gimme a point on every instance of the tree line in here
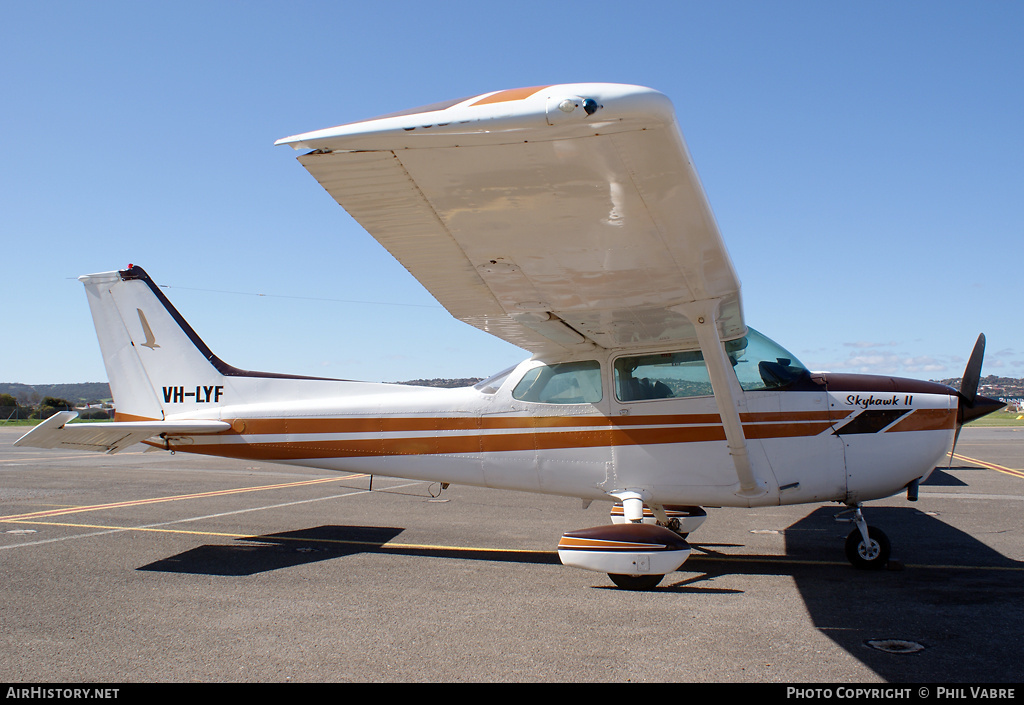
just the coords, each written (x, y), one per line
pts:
(11, 408)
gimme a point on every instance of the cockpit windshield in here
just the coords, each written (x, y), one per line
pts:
(761, 363)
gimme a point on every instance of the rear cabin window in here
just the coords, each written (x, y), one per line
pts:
(565, 383)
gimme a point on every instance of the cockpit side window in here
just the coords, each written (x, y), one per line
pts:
(760, 364)
(564, 383)
(662, 376)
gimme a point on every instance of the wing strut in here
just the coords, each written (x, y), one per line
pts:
(704, 317)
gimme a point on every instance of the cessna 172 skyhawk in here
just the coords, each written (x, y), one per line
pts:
(567, 220)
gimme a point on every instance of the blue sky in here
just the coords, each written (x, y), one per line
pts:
(865, 162)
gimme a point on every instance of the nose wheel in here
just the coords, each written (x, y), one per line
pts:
(870, 554)
(867, 547)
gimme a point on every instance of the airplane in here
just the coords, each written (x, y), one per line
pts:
(567, 220)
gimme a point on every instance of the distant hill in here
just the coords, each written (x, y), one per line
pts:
(87, 392)
(82, 392)
(993, 386)
(442, 382)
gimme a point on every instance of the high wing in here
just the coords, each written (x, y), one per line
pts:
(554, 217)
(109, 437)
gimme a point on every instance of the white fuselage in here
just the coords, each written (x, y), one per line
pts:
(835, 438)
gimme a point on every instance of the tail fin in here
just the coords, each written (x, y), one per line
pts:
(156, 364)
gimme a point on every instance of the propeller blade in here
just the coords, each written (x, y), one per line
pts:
(970, 406)
(972, 374)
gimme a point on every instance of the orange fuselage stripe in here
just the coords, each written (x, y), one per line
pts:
(497, 434)
(405, 424)
(462, 435)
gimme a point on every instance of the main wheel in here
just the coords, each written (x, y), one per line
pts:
(872, 555)
(635, 582)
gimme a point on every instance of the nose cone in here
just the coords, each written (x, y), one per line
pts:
(981, 406)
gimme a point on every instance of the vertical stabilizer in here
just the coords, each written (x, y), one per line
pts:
(156, 364)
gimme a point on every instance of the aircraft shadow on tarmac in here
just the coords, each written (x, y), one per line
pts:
(259, 554)
(948, 609)
(957, 599)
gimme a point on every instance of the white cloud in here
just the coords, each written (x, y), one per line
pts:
(866, 344)
(867, 360)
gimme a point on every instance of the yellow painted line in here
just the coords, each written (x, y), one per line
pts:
(104, 527)
(83, 454)
(695, 559)
(276, 539)
(175, 498)
(990, 466)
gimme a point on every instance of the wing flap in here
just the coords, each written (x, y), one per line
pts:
(109, 437)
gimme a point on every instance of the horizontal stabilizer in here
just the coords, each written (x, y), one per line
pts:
(109, 437)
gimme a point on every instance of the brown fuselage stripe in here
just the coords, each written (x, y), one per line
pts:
(448, 445)
(491, 443)
(406, 424)
(926, 420)
(454, 435)
(393, 424)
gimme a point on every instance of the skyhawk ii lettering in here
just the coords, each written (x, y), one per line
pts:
(872, 400)
(567, 220)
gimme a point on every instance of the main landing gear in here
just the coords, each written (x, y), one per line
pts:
(639, 547)
(867, 547)
(635, 582)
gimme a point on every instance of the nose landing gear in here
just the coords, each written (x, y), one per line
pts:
(867, 547)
